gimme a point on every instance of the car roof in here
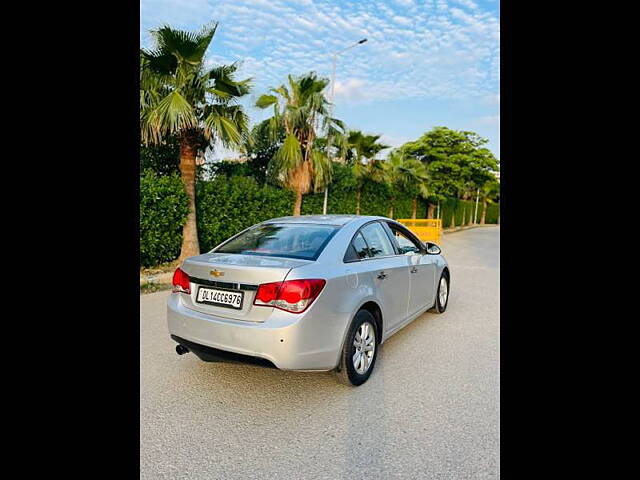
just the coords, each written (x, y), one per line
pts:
(339, 220)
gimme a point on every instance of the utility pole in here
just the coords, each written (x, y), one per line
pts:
(333, 85)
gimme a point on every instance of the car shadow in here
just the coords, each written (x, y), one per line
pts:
(359, 421)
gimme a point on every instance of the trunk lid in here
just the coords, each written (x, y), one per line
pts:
(237, 273)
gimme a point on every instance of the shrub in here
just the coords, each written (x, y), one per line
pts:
(375, 199)
(227, 205)
(164, 206)
(230, 203)
(342, 199)
(493, 212)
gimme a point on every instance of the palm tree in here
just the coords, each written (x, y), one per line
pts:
(301, 108)
(407, 174)
(180, 97)
(489, 192)
(363, 149)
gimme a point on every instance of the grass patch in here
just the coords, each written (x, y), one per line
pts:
(152, 287)
(162, 268)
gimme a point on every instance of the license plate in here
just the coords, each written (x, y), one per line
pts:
(220, 298)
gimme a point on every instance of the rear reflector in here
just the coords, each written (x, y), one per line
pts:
(181, 282)
(293, 296)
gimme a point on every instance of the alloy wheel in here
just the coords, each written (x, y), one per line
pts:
(365, 347)
(443, 292)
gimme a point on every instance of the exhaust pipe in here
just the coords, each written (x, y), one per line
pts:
(181, 349)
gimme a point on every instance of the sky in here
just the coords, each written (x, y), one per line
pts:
(426, 63)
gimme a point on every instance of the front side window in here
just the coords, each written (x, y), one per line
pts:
(406, 245)
(281, 240)
(377, 240)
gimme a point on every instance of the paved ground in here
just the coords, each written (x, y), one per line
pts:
(430, 409)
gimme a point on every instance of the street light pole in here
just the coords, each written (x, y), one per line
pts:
(333, 85)
(333, 89)
(475, 216)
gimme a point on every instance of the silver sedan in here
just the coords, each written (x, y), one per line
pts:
(310, 293)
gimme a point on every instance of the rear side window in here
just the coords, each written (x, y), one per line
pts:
(377, 240)
(357, 250)
(304, 241)
(360, 246)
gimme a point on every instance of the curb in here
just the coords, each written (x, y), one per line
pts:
(468, 227)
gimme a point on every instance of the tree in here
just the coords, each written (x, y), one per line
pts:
(180, 97)
(300, 109)
(363, 149)
(479, 169)
(260, 147)
(366, 171)
(162, 159)
(404, 174)
(456, 161)
(419, 189)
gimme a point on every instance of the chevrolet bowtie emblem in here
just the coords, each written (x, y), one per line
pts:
(217, 273)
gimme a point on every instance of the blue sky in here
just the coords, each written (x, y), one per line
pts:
(426, 62)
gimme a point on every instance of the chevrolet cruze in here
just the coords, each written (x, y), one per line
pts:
(311, 293)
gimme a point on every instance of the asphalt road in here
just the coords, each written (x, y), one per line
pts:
(430, 409)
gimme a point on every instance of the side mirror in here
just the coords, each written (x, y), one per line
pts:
(432, 248)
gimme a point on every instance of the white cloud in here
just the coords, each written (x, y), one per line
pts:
(404, 3)
(305, 23)
(402, 20)
(493, 99)
(351, 90)
(413, 51)
(490, 120)
(467, 3)
(393, 141)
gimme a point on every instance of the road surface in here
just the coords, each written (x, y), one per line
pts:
(430, 409)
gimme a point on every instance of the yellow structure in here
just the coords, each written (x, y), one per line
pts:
(426, 229)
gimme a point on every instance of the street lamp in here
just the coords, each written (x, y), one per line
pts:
(475, 216)
(333, 86)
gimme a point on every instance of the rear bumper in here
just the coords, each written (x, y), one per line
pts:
(210, 354)
(289, 341)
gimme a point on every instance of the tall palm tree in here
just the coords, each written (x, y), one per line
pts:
(406, 174)
(301, 108)
(180, 97)
(362, 150)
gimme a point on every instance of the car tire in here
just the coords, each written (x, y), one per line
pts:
(441, 303)
(347, 372)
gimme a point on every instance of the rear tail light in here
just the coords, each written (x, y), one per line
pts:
(181, 282)
(293, 296)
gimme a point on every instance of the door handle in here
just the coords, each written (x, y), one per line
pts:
(414, 269)
(382, 275)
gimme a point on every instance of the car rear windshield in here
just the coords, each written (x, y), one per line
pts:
(304, 241)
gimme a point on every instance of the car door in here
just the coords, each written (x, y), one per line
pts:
(388, 272)
(422, 269)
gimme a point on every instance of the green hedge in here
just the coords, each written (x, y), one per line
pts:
(458, 209)
(375, 198)
(230, 203)
(493, 213)
(463, 208)
(163, 211)
(227, 205)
